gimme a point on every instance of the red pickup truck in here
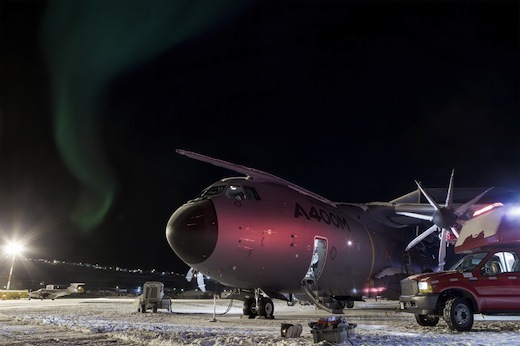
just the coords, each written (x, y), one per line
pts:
(485, 281)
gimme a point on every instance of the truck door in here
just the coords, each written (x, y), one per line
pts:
(499, 284)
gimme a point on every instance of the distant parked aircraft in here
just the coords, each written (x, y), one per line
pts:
(53, 291)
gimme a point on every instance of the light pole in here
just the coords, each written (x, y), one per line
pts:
(14, 249)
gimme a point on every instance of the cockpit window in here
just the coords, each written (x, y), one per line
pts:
(211, 191)
(237, 192)
(251, 193)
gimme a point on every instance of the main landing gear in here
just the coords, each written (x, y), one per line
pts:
(261, 305)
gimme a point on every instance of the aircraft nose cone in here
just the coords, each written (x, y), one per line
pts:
(192, 231)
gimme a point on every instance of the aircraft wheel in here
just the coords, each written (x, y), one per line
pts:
(143, 308)
(426, 320)
(266, 308)
(249, 308)
(458, 314)
(154, 308)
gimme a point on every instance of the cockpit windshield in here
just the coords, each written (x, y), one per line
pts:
(238, 192)
(469, 262)
(232, 191)
(211, 191)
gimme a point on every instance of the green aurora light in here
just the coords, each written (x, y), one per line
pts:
(86, 45)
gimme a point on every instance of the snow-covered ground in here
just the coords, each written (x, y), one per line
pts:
(117, 322)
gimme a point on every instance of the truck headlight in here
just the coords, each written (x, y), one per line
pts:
(425, 287)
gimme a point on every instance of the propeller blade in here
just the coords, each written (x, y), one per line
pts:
(449, 195)
(200, 282)
(455, 232)
(442, 249)
(430, 200)
(189, 275)
(421, 237)
(443, 216)
(464, 208)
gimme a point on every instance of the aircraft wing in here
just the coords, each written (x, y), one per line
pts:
(408, 214)
(399, 215)
(408, 209)
(254, 174)
(400, 212)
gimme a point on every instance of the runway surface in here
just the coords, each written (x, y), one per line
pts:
(77, 321)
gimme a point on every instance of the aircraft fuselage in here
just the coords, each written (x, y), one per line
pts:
(249, 234)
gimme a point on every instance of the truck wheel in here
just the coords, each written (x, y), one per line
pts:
(458, 314)
(426, 320)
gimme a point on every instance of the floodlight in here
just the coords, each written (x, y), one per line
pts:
(14, 248)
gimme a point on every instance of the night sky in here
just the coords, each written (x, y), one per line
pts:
(351, 100)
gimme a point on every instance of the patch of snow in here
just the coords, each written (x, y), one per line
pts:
(116, 322)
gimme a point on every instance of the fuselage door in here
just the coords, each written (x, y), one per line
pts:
(319, 255)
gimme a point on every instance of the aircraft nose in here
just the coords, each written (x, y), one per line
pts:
(192, 231)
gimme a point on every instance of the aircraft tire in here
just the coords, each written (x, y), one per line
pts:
(154, 308)
(249, 308)
(458, 314)
(426, 320)
(143, 308)
(266, 308)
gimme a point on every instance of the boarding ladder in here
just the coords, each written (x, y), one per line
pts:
(307, 288)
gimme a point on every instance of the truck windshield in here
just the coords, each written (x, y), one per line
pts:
(469, 262)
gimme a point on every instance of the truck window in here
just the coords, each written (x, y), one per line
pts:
(516, 265)
(501, 262)
(469, 262)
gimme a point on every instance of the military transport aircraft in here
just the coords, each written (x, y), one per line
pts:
(53, 291)
(269, 238)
